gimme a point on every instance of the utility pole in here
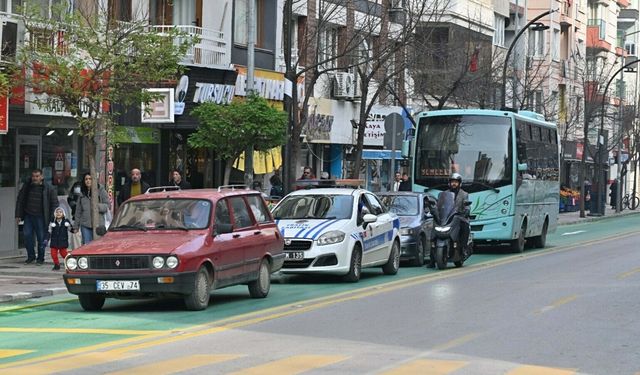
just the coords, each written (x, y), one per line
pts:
(619, 145)
(289, 102)
(251, 44)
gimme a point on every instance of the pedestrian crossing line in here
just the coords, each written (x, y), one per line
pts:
(6, 353)
(538, 370)
(427, 367)
(68, 363)
(293, 365)
(172, 366)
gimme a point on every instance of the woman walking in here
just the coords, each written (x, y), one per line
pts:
(84, 213)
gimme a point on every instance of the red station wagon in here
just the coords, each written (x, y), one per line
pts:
(183, 243)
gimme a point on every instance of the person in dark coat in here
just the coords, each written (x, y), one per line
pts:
(405, 184)
(73, 196)
(179, 181)
(613, 194)
(37, 200)
(133, 187)
(59, 230)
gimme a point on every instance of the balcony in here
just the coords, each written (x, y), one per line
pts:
(212, 51)
(623, 3)
(565, 14)
(596, 35)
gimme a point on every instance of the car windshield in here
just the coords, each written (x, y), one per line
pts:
(314, 207)
(163, 214)
(401, 205)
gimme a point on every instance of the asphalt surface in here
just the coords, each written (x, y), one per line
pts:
(19, 282)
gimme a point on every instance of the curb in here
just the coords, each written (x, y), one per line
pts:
(589, 219)
(22, 296)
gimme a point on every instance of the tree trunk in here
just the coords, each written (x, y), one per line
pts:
(227, 171)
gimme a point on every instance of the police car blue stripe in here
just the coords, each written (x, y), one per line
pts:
(308, 230)
(317, 233)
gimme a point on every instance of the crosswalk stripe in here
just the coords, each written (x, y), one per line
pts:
(174, 365)
(6, 353)
(68, 363)
(292, 365)
(427, 367)
(538, 370)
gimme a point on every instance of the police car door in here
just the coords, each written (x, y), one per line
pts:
(370, 232)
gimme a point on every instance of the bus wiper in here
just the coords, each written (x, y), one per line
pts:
(495, 189)
(128, 227)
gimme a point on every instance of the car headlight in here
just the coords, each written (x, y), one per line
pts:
(83, 263)
(72, 263)
(172, 262)
(443, 229)
(158, 262)
(329, 238)
(406, 231)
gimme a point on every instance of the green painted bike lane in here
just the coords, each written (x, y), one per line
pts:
(58, 324)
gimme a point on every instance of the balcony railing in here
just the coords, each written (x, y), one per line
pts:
(212, 50)
(601, 26)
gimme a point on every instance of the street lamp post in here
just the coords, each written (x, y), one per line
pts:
(599, 179)
(538, 26)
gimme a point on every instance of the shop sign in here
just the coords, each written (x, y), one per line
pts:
(375, 130)
(160, 110)
(135, 134)
(46, 105)
(4, 114)
(204, 92)
(268, 84)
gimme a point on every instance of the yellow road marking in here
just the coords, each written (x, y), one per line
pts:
(172, 366)
(629, 273)
(302, 306)
(293, 365)
(537, 370)
(455, 342)
(557, 303)
(426, 367)
(80, 330)
(68, 363)
(6, 353)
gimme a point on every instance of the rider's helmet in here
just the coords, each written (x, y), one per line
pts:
(455, 177)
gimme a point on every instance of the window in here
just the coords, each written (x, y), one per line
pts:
(630, 47)
(260, 212)
(536, 43)
(161, 12)
(241, 218)
(555, 47)
(329, 46)
(498, 30)
(375, 204)
(222, 212)
(240, 21)
(120, 10)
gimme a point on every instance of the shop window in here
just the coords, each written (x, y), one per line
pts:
(7, 159)
(60, 159)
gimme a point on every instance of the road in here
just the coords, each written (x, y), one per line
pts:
(564, 310)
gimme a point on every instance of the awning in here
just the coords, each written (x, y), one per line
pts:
(263, 161)
(380, 154)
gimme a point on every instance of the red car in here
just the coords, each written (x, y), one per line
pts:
(182, 243)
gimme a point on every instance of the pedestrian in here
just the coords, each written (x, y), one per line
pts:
(276, 184)
(307, 174)
(405, 184)
(84, 213)
(59, 230)
(587, 194)
(179, 181)
(35, 205)
(395, 184)
(135, 186)
(72, 197)
(613, 193)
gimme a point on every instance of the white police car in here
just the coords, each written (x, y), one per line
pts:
(337, 231)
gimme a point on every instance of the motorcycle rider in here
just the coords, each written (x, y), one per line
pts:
(461, 226)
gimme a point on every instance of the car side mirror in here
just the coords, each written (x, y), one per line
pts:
(222, 228)
(467, 203)
(369, 218)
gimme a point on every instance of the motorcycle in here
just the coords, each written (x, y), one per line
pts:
(443, 246)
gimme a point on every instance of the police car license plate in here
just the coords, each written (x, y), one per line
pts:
(111, 285)
(294, 255)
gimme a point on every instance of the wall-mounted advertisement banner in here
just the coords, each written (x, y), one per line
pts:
(4, 114)
(269, 84)
(135, 134)
(160, 110)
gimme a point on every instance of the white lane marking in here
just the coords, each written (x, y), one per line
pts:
(572, 233)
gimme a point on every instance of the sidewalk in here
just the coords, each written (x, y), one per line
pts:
(19, 282)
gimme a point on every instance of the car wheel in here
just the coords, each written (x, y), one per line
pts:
(199, 297)
(91, 301)
(541, 240)
(259, 288)
(355, 267)
(517, 245)
(418, 261)
(393, 264)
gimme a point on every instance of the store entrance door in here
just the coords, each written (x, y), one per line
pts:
(29, 158)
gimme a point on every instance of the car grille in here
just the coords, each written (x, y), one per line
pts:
(297, 245)
(129, 262)
(297, 263)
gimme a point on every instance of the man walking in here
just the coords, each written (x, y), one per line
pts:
(37, 201)
(135, 186)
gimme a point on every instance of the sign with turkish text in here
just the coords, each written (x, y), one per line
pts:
(160, 110)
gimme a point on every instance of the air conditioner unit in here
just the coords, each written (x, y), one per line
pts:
(356, 89)
(342, 87)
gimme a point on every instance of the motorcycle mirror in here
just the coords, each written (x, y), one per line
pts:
(522, 167)
(467, 203)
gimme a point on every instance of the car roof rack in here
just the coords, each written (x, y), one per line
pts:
(157, 189)
(232, 187)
